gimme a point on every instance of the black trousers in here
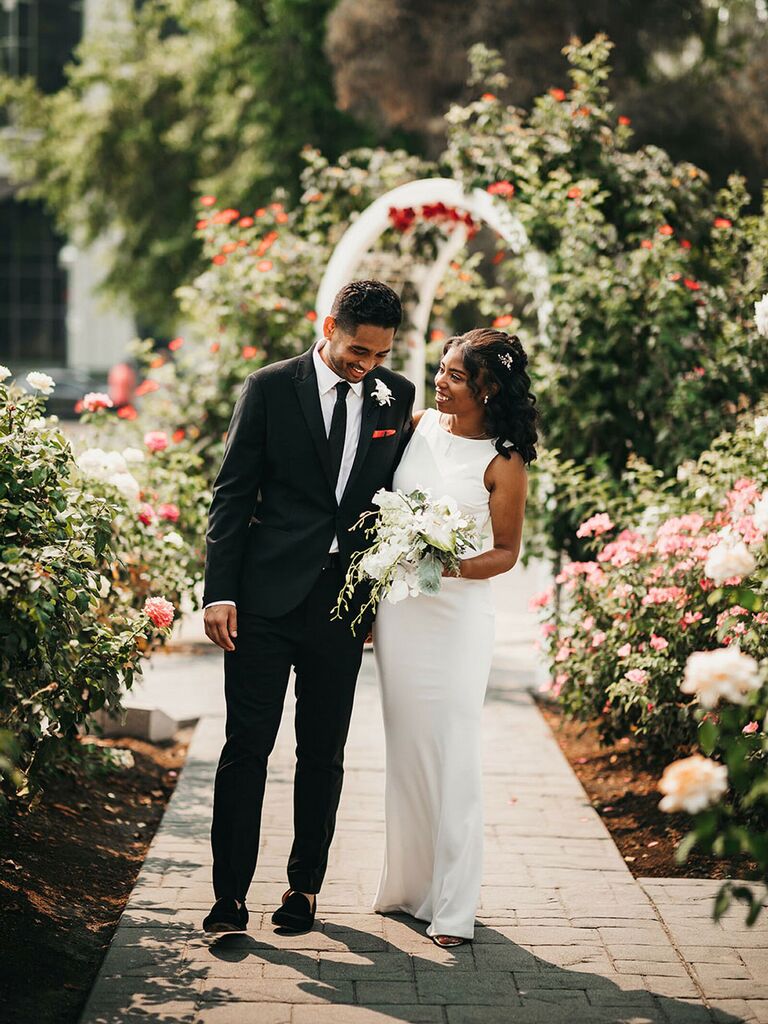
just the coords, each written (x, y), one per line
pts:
(326, 657)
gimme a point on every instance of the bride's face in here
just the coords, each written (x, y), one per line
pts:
(453, 394)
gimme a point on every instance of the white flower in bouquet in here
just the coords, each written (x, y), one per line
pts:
(761, 425)
(692, 784)
(729, 559)
(724, 674)
(4, 373)
(761, 316)
(760, 514)
(414, 539)
(174, 539)
(41, 382)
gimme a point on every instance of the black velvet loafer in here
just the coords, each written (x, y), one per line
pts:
(296, 913)
(226, 916)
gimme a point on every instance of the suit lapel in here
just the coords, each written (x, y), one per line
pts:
(371, 409)
(305, 382)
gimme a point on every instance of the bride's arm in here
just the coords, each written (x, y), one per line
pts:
(508, 483)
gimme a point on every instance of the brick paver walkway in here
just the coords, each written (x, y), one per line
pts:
(565, 934)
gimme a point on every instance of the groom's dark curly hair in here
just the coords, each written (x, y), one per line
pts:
(496, 360)
(366, 302)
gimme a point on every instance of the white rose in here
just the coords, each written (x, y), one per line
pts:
(92, 462)
(174, 539)
(398, 591)
(728, 559)
(761, 316)
(760, 514)
(41, 382)
(105, 585)
(692, 784)
(38, 423)
(127, 484)
(114, 463)
(133, 455)
(761, 425)
(725, 674)
(4, 372)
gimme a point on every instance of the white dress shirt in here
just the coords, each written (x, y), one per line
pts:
(326, 386)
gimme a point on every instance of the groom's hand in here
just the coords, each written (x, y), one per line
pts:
(220, 623)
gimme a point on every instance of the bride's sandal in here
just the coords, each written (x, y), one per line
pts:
(444, 941)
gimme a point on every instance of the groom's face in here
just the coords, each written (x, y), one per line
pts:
(352, 356)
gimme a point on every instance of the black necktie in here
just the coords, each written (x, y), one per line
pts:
(338, 431)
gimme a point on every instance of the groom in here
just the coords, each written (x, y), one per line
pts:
(311, 440)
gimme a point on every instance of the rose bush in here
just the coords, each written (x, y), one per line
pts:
(677, 569)
(725, 788)
(71, 641)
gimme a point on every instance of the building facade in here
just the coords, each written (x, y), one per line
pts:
(51, 316)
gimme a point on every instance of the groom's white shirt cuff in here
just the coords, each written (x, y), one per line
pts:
(212, 603)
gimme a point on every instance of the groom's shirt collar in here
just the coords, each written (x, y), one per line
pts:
(326, 378)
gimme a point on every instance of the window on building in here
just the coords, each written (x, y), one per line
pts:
(33, 287)
(37, 38)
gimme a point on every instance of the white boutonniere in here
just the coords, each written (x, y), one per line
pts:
(382, 394)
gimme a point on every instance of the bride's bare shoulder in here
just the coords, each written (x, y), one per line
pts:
(416, 417)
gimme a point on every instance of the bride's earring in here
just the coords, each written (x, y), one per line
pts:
(485, 400)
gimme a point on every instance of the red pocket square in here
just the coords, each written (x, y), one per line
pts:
(383, 433)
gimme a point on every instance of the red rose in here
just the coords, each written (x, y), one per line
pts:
(127, 412)
(501, 188)
(722, 222)
(175, 343)
(311, 316)
(646, 243)
(684, 243)
(488, 97)
(178, 435)
(208, 200)
(215, 346)
(626, 121)
(666, 229)
(676, 276)
(499, 257)
(219, 259)
(245, 222)
(267, 242)
(249, 351)
(146, 387)
(582, 112)
(557, 94)
(503, 321)
(574, 193)
(264, 266)
(693, 285)
(201, 224)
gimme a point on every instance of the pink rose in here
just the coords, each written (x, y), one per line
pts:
(156, 440)
(658, 643)
(160, 611)
(625, 651)
(598, 637)
(96, 400)
(749, 729)
(637, 675)
(169, 511)
(595, 525)
(146, 514)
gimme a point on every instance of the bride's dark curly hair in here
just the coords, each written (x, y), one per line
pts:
(494, 357)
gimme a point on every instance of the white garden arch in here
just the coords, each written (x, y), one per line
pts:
(363, 233)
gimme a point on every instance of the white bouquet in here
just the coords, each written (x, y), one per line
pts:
(415, 538)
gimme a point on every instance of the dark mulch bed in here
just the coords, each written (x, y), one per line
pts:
(66, 871)
(621, 781)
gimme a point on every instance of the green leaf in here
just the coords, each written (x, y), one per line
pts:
(708, 736)
(722, 901)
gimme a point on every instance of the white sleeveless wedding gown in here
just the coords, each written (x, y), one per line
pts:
(433, 656)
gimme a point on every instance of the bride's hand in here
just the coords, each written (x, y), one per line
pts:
(450, 574)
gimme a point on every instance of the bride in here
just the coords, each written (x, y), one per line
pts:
(433, 653)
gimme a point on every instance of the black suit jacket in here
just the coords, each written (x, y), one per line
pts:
(274, 512)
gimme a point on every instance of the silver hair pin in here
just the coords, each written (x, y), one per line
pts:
(508, 359)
